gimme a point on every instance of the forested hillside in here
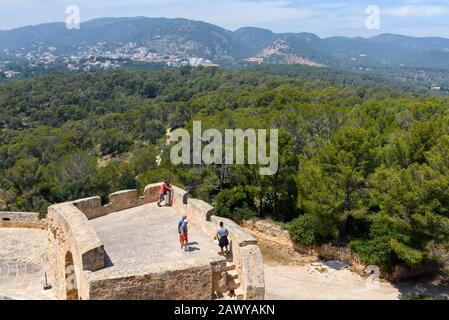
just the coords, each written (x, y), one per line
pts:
(360, 165)
(185, 38)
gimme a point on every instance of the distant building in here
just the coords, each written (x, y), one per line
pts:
(11, 74)
(72, 67)
(196, 62)
(200, 62)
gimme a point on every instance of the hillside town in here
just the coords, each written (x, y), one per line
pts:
(100, 56)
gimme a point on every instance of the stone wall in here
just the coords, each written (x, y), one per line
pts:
(246, 253)
(22, 220)
(191, 280)
(73, 248)
(118, 201)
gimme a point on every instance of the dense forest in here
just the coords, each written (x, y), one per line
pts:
(359, 164)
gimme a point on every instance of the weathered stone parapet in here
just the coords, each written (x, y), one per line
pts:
(121, 200)
(252, 272)
(179, 199)
(91, 207)
(151, 192)
(73, 247)
(191, 280)
(239, 236)
(28, 220)
(124, 200)
(200, 210)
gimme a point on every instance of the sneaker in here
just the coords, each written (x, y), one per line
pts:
(158, 204)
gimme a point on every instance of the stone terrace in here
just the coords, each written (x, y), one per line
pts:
(129, 249)
(147, 235)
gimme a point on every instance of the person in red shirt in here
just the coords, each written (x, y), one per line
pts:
(163, 193)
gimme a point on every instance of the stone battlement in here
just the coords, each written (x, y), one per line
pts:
(29, 220)
(128, 249)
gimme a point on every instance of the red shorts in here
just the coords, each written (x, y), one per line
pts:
(183, 238)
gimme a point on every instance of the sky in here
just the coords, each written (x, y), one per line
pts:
(325, 18)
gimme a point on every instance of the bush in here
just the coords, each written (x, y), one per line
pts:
(389, 244)
(244, 213)
(375, 252)
(357, 227)
(410, 256)
(127, 180)
(235, 203)
(302, 230)
(114, 142)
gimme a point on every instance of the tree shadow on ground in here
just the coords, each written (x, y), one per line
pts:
(430, 285)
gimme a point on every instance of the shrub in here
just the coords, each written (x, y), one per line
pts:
(410, 256)
(375, 252)
(235, 203)
(302, 230)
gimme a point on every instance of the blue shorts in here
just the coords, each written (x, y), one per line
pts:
(162, 197)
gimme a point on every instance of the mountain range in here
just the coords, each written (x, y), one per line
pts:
(184, 38)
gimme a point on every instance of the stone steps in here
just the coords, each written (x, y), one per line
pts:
(219, 296)
(233, 284)
(232, 274)
(230, 266)
(238, 295)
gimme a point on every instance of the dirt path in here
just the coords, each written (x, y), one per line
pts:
(309, 283)
(290, 275)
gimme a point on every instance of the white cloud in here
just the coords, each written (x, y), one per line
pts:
(416, 11)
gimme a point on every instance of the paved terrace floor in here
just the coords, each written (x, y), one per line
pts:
(148, 235)
(23, 263)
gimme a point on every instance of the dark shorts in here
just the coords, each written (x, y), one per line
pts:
(162, 196)
(223, 242)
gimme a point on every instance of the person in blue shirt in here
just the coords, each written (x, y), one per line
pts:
(222, 235)
(183, 233)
